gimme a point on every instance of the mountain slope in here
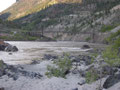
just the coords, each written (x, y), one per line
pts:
(75, 20)
(63, 13)
(24, 7)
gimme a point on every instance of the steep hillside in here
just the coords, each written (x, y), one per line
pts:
(24, 7)
(8, 24)
(79, 20)
(68, 15)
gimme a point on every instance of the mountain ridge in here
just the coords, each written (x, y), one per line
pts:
(25, 7)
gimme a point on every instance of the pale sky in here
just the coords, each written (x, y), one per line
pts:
(4, 4)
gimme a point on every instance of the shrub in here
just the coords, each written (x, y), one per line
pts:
(91, 76)
(117, 44)
(112, 53)
(88, 39)
(63, 65)
(113, 37)
(30, 38)
(106, 28)
(111, 56)
(53, 71)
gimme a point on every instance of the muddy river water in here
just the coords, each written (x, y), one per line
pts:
(29, 51)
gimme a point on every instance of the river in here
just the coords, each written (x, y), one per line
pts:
(29, 51)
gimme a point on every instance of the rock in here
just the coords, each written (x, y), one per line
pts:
(85, 47)
(75, 71)
(7, 47)
(14, 49)
(67, 72)
(111, 80)
(108, 70)
(15, 72)
(75, 89)
(15, 77)
(75, 59)
(10, 53)
(2, 88)
(81, 58)
(35, 62)
(87, 59)
(11, 48)
(91, 50)
(82, 73)
(82, 82)
(50, 57)
(31, 74)
(2, 47)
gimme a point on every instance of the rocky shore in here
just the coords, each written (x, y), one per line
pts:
(87, 72)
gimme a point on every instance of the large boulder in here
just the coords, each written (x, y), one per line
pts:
(85, 47)
(50, 57)
(2, 88)
(2, 45)
(11, 48)
(111, 80)
(7, 47)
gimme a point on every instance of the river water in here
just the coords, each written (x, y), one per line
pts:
(29, 51)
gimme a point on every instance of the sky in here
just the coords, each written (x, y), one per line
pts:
(4, 4)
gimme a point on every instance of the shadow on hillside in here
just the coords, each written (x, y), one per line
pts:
(48, 16)
(62, 9)
(56, 10)
(5, 16)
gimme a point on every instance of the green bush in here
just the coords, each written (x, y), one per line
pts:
(113, 37)
(91, 76)
(53, 71)
(4, 37)
(63, 65)
(112, 54)
(106, 28)
(30, 38)
(117, 44)
(88, 39)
